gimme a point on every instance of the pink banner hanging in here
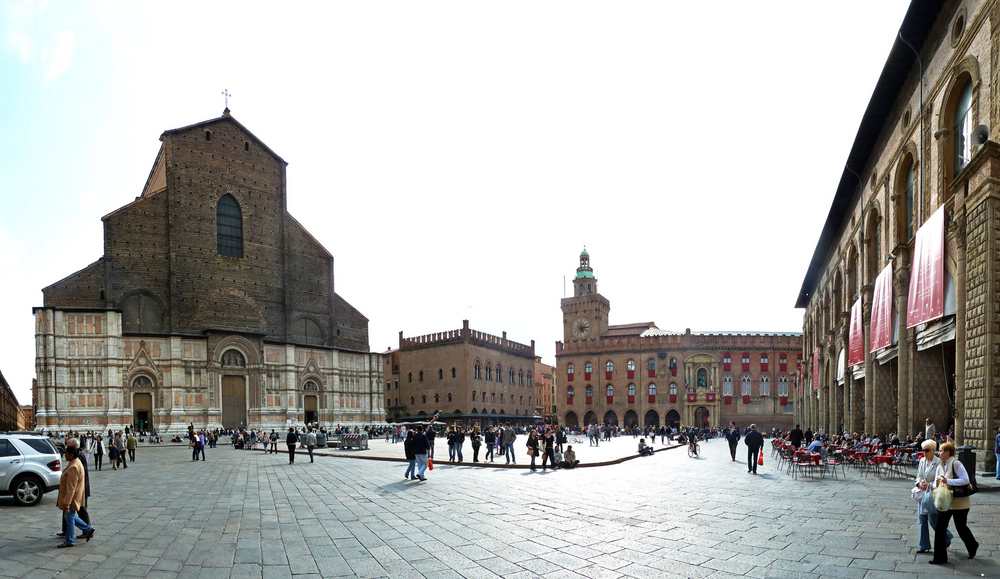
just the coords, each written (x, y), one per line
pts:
(856, 345)
(881, 324)
(925, 300)
(816, 369)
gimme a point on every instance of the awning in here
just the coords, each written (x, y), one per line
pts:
(881, 322)
(937, 333)
(856, 341)
(859, 372)
(887, 355)
(925, 301)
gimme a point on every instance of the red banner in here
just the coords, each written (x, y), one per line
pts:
(692, 397)
(784, 400)
(881, 324)
(816, 369)
(631, 399)
(673, 398)
(569, 400)
(710, 397)
(611, 399)
(590, 399)
(746, 399)
(856, 344)
(727, 399)
(925, 300)
(652, 398)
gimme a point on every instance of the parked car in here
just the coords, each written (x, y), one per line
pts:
(29, 467)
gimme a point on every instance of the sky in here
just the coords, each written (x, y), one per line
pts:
(456, 157)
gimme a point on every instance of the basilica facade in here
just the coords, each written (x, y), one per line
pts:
(638, 374)
(211, 306)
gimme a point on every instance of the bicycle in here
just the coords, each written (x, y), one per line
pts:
(693, 449)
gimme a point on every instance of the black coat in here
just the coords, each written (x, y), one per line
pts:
(733, 435)
(291, 439)
(795, 436)
(408, 448)
(753, 440)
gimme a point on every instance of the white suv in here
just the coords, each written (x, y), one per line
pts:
(29, 467)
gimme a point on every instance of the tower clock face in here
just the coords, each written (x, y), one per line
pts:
(581, 328)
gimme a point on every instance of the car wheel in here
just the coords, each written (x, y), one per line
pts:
(27, 491)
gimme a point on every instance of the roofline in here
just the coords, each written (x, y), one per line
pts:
(916, 28)
(77, 272)
(225, 117)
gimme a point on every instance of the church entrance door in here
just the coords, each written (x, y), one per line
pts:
(234, 402)
(311, 414)
(142, 411)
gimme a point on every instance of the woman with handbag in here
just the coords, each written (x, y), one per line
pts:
(532, 445)
(923, 491)
(951, 475)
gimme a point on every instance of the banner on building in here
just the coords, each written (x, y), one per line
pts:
(692, 397)
(925, 301)
(856, 344)
(816, 369)
(881, 323)
(710, 397)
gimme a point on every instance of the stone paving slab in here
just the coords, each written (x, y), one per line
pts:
(250, 514)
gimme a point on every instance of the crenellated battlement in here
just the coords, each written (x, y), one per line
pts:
(733, 341)
(467, 334)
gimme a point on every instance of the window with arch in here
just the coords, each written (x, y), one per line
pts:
(423, 399)
(229, 227)
(609, 367)
(702, 378)
(453, 372)
(473, 395)
(652, 389)
(673, 389)
(727, 386)
(388, 386)
(651, 367)
(581, 289)
(904, 219)
(765, 386)
(588, 369)
(630, 365)
(499, 373)
(610, 390)
(501, 398)
(727, 361)
(962, 127)
(570, 393)
(421, 379)
(590, 391)
(413, 400)
(409, 377)
(449, 397)
(521, 400)
(511, 372)
(631, 389)
(520, 377)
(440, 374)
(478, 370)
(489, 372)
(783, 386)
(570, 369)
(745, 386)
(588, 288)
(529, 400)
(437, 398)
(493, 397)
(484, 395)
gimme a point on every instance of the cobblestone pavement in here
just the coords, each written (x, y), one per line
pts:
(246, 514)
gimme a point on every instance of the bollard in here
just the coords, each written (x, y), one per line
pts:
(967, 455)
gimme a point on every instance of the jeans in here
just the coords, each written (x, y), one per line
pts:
(97, 459)
(201, 449)
(430, 449)
(533, 461)
(291, 453)
(310, 448)
(941, 528)
(550, 455)
(458, 451)
(475, 453)
(72, 520)
(411, 471)
(752, 459)
(927, 522)
(421, 465)
(732, 449)
(451, 452)
(509, 451)
(998, 465)
(489, 452)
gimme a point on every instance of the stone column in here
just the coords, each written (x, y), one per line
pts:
(960, 317)
(869, 409)
(901, 282)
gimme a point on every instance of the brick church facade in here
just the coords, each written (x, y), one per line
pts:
(211, 305)
(638, 374)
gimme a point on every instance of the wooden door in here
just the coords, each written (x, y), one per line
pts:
(234, 402)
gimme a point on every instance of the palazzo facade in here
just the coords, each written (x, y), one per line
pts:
(211, 306)
(638, 374)
(907, 264)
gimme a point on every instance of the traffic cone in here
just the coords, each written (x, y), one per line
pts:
(760, 459)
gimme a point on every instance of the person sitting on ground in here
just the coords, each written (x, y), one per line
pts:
(643, 449)
(569, 458)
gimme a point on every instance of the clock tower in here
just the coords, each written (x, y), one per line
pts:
(585, 315)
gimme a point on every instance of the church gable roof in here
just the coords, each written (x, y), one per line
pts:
(225, 118)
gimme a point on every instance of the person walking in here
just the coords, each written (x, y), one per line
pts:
(98, 451)
(113, 455)
(733, 437)
(411, 458)
(795, 437)
(290, 441)
(508, 443)
(430, 434)
(476, 443)
(996, 450)
(549, 450)
(929, 429)
(459, 442)
(491, 441)
(754, 442)
(72, 497)
(927, 515)
(120, 444)
(310, 443)
(130, 444)
(532, 445)
(274, 442)
(82, 511)
(952, 472)
(420, 449)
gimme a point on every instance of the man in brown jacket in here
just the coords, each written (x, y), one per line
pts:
(71, 497)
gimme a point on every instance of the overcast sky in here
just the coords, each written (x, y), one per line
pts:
(455, 157)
